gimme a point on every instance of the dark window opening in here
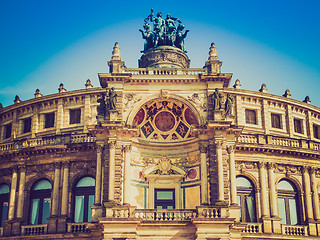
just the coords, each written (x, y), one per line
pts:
(298, 128)
(27, 125)
(276, 120)
(251, 116)
(75, 116)
(4, 203)
(7, 131)
(316, 133)
(246, 200)
(49, 120)
(164, 199)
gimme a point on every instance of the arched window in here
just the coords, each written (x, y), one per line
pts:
(84, 199)
(4, 203)
(40, 202)
(288, 203)
(246, 199)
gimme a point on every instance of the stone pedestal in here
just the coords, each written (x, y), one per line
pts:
(62, 224)
(234, 211)
(312, 229)
(12, 227)
(267, 224)
(276, 225)
(217, 115)
(52, 225)
(96, 212)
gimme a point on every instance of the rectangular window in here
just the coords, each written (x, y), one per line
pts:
(75, 116)
(164, 199)
(26, 125)
(276, 120)
(49, 120)
(316, 133)
(7, 131)
(298, 128)
(251, 116)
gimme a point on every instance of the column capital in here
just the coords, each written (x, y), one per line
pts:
(231, 148)
(262, 165)
(305, 169)
(57, 165)
(219, 144)
(126, 148)
(271, 166)
(312, 170)
(99, 148)
(203, 148)
(22, 168)
(112, 143)
(66, 164)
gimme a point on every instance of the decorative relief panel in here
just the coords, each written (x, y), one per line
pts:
(165, 120)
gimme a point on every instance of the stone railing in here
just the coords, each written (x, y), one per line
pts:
(315, 146)
(253, 228)
(46, 141)
(77, 227)
(294, 230)
(247, 139)
(285, 142)
(165, 214)
(34, 229)
(161, 71)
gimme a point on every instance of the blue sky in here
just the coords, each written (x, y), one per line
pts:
(45, 43)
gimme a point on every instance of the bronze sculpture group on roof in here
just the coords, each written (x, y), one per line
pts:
(164, 32)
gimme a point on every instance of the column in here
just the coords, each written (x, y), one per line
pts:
(13, 190)
(22, 183)
(127, 174)
(55, 193)
(65, 187)
(97, 199)
(315, 196)
(272, 194)
(232, 175)
(220, 171)
(307, 194)
(204, 175)
(112, 162)
(263, 192)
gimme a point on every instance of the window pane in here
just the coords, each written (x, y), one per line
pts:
(8, 129)
(4, 189)
(46, 210)
(239, 203)
(250, 209)
(282, 210)
(79, 209)
(164, 195)
(26, 125)
(297, 125)
(316, 131)
(5, 208)
(86, 182)
(49, 120)
(43, 184)
(285, 185)
(251, 117)
(75, 116)
(243, 182)
(90, 203)
(169, 207)
(293, 211)
(35, 211)
(276, 120)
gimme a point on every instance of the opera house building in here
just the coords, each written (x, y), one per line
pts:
(163, 151)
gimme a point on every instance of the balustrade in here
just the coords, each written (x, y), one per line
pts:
(294, 230)
(77, 228)
(253, 228)
(34, 229)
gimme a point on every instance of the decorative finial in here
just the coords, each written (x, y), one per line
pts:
(17, 99)
(213, 52)
(263, 88)
(61, 88)
(88, 84)
(38, 93)
(287, 94)
(237, 84)
(1, 106)
(307, 100)
(116, 52)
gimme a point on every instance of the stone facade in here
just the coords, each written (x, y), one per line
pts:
(166, 135)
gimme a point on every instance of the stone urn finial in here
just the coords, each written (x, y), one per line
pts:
(213, 55)
(287, 94)
(88, 84)
(17, 99)
(237, 84)
(263, 88)
(61, 88)
(116, 52)
(38, 93)
(307, 100)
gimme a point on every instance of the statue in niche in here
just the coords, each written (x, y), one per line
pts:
(228, 105)
(107, 104)
(102, 108)
(112, 96)
(180, 36)
(217, 100)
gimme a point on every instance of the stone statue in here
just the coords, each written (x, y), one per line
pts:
(147, 34)
(112, 97)
(217, 100)
(228, 105)
(102, 108)
(164, 33)
(180, 36)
